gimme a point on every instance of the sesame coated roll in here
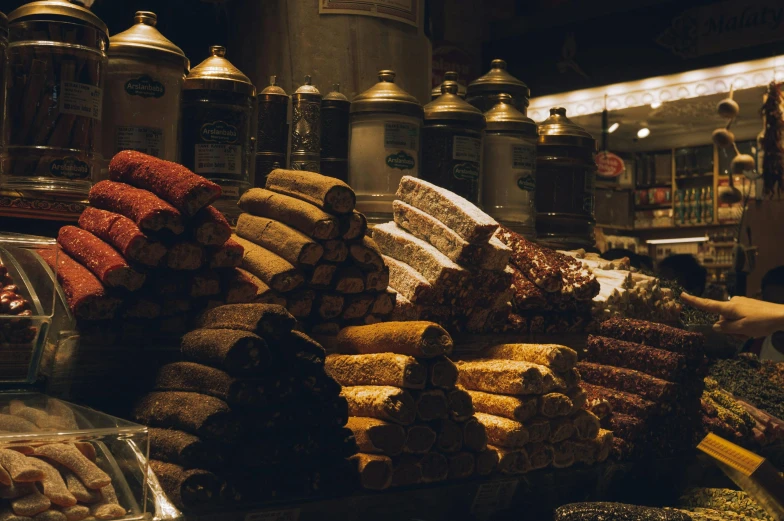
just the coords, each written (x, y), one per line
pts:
(329, 194)
(301, 215)
(377, 369)
(381, 402)
(188, 489)
(236, 352)
(210, 227)
(123, 234)
(419, 339)
(205, 416)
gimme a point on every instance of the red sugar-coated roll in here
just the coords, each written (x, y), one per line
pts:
(227, 255)
(124, 235)
(85, 294)
(172, 182)
(91, 252)
(210, 227)
(144, 208)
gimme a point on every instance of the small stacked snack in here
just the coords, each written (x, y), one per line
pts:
(306, 243)
(150, 251)
(444, 263)
(552, 292)
(627, 293)
(411, 423)
(53, 481)
(529, 399)
(650, 375)
(249, 415)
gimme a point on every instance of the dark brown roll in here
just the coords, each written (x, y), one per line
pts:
(199, 414)
(236, 352)
(266, 320)
(188, 489)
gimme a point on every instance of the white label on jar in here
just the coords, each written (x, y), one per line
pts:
(80, 99)
(401, 135)
(466, 148)
(148, 140)
(218, 159)
(523, 157)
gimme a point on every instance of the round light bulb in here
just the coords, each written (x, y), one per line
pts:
(643, 132)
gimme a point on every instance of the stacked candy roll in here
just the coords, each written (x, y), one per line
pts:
(530, 400)
(248, 415)
(651, 377)
(552, 292)
(150, 251)
(412, 424)
(305, 241)
(444, 262)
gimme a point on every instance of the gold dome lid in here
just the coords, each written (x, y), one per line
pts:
(498, 80)
(451, 107)
(449, 76)
(385, 96)
(143, 40)
(57, 8)
(218, 73)
(559, 130)
(504, 117)
(307, 88)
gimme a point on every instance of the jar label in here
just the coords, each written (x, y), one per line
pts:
(527, 182)
(80, 99)
(523, 157)
(145, 86)
(401, 135)
(219, 132)
(218, 159)
(401, 160)
(467, 171)
(148, 140)
(70, 168)
(466, 148)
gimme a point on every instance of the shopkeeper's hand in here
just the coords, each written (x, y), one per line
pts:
(742, 316)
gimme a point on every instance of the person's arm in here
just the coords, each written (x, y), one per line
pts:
(742, 316)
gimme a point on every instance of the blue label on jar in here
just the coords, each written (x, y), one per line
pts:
(527, 183)
(467, 171)
(145, 87)
(219, 132)
(70, 168)
(401, 160)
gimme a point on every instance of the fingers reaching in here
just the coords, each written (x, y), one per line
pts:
(725, 309)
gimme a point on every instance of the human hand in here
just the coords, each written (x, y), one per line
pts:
(742, 316)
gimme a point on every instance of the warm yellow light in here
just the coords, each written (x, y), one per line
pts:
(656, 104)
(682, 240)
(613, 127)
(643, 133)
(652, 91)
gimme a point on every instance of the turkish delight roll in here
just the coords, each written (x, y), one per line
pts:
(461, 407)
(226, 255)
(518, 408)
(649, 360)
(236, 352)
(190, 376)
(382, 402)
(419, 339)
(266, 320)
(628, 380)
(485, 462)
(366, 255)
(284, 241)
(188, 489)
(210, 227)
(621, 402)
(556, 357)
(199, 414)
(654, 335)
(170, 181)
(301, 215)
(377, 436)
(419, 439)
(461, 465)
(352, 225)
(183, 449)
(275, 271)
(377, 369)
(85, 294)
(123, 234)
(503, 432)
(91, 252)
(375, 470)
(442, 372)
(330, 194)
(501, 376)
(147, 210)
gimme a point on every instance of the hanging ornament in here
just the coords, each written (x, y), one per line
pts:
(728, 107)
(723, 137)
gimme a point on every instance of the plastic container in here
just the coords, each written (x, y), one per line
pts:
(23, 330)
(120, 446)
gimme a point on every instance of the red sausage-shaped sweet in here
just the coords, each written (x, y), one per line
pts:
(123, 234)
(210, 227)
(172, 182)
(144, 208)
(91, 252)
(85, 294)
